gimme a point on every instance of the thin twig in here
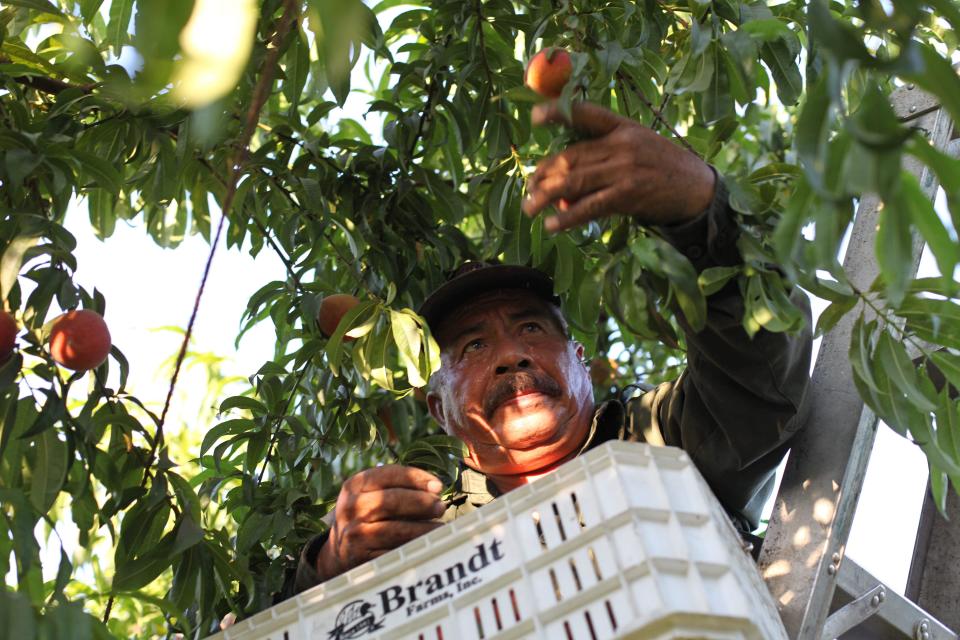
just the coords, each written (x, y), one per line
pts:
(428, 107)
(663, 105)
(47, 84)
(260, 94)
(276, 425)
(483, 47)
(287, 263)
(658, 116)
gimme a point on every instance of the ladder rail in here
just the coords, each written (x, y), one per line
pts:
(807, 536)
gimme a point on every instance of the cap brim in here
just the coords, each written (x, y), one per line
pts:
(472, 284)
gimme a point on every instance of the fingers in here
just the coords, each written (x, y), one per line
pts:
(589, 119)
(390, 534)
(590, 207)
(364, 541)
(393, 476)
(568, 186)
(395, 504)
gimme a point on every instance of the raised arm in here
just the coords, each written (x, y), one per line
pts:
(740, 399)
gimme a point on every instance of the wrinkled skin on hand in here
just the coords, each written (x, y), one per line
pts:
(379, 510)
(623, 168)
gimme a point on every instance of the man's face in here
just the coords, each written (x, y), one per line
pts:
(511, 384)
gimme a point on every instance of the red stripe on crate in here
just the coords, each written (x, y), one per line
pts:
(556, 514)
(556, 585)
(596, 565)
(516, 609)
(476, 616)
(576, 506)
(496, 614)
(593, 634)
(613, 618)
(543, 538)
(576, 576)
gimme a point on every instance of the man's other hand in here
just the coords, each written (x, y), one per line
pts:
(623, 168)
(378, 510)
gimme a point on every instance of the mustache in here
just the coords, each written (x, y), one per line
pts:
(507, 388)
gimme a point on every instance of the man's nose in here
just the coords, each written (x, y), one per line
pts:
(522, 363)
(513, 357)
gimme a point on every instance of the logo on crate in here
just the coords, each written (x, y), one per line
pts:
(354, 620)
(360, 616)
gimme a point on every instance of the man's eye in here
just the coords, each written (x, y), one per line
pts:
(530, 327)
(473, 345)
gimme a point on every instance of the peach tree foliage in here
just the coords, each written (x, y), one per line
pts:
(789, 102)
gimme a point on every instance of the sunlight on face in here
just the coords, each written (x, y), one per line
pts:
(216, 45)
(513, 387)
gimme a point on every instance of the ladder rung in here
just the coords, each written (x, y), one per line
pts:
(896, 611)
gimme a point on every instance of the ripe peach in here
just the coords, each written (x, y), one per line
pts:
(384, 415)
(80, 340)
(332, 310)
(548, 71)
(603, 371)
(8, 335)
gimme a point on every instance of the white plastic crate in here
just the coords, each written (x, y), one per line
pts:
(626, 541)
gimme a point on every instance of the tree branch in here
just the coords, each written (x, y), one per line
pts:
(47, 84)
(260, 93)
(657, 115)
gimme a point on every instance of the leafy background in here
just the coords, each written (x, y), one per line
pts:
(231, 124)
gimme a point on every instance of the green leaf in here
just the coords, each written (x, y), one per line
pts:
(253, 530)
(12, 260)
(190, 503)
(43, 6)
(939, 78)
(102, 207)
(949, 365)
(89, 8)
(842, 40)
(717, 102)
(894, 246)
(68, 620)
(781, 57)
(355, 317)
(100, 170)
(243, 402)
(49, 470)
(120, 13)
(135, 573)
(936, 321)
(713, 279)
(228, 427)
(920, 209)
(947, 169)
(297, 63)
(17, 619)
(406, 335)
(900, 369)
(830, 316)
(375, 353)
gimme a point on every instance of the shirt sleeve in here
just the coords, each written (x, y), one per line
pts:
(739, 401)
(307, 575)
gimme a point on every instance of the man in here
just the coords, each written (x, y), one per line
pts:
(513, 385)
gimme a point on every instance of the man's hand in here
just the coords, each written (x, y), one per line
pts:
(378, 510)
(624, 168)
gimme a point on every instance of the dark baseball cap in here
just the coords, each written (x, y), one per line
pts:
(473, 279)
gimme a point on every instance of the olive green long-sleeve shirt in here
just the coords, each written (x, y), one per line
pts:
(733, 409)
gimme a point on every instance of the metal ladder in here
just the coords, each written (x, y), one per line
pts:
(821, 594)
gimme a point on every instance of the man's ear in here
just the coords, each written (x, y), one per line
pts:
(579, 349)
(435, 407)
